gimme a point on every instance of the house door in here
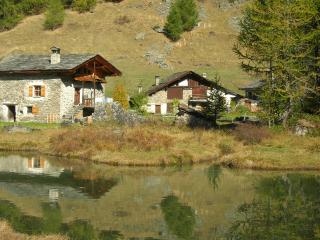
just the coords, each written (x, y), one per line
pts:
(76, 96)
(11, 113)
(158, 109)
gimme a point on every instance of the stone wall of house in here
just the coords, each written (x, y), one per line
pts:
(161, 97)
(68, 91)
(57, 102)
(14, 90)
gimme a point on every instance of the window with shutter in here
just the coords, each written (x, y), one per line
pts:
(43, 91)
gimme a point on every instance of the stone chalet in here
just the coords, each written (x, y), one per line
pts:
(48, 88)
(189, 88)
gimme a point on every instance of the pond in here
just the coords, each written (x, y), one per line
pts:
(39, 195)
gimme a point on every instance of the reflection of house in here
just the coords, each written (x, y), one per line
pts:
(46, 88)
(28, 165)
(187, 87)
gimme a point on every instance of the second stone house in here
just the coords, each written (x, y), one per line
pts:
(48, 88)
(188, 88)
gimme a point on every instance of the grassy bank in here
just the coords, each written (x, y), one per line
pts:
(158, 144)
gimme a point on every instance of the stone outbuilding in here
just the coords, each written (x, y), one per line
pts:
(188, 88)
(48, 88)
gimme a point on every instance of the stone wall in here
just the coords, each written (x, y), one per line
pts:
(57, 102)
(14, 90)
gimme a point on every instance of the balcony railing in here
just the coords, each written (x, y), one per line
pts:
(88, 102)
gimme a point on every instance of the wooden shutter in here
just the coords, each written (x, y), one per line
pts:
(30, 91)
(43, 91)
(175, 93)
(35, 110)
(42, 163)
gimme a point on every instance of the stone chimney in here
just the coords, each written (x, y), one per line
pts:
(139, 89)
(205, 75)
(55, 55)
(157, 80)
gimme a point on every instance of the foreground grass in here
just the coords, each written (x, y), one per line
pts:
(6, 233)
(158, 144)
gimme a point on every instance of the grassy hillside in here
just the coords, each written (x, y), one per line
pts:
(123, 34)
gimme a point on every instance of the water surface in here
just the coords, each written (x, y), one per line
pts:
(48, 196)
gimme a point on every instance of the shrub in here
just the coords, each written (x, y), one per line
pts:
(251, 134)
(54, 15)
(9, 16)
(32, 7)
(83, 5)
(138, 103)
(225, 148)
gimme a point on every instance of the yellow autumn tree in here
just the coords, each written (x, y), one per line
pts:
(120, 95)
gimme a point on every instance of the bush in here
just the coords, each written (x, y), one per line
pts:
(225, 148)
(32, 7)
(9, 16)
(83, 5)
(173, 28)
(251, 134)
(54, 15)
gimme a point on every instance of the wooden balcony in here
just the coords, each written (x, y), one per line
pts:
(88, 102)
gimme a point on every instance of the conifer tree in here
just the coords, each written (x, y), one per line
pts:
(54, 15)
(120, 95)
(174, 27)
(189, 14)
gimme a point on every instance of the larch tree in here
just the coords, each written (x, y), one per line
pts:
(120, 95)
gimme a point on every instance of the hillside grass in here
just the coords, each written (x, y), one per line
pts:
(208, 48)
(158, 144)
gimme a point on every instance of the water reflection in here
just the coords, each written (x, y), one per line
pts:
(203, 202)
(179, 218)
(286, 207)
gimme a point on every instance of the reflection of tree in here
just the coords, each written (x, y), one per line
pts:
(51, 223)
(94, 188)
(180, 219)
(286, 208)
(214, 174)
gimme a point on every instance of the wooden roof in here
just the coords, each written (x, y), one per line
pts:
(177, 77)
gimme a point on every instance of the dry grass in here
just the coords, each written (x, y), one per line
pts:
(159, 144)
(6, 233)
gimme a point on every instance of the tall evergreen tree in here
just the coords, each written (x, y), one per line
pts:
(54, 15)
(189, 14)
(174, 26)
(274, 42)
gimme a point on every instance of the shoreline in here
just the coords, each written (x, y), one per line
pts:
(165, 146)
(225, 164)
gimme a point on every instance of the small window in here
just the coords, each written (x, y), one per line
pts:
(29, 110)
(37, 91)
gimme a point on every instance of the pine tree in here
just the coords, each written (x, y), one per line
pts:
(216, 102)
(189, 14)
(174, 28)
(54, 15)
(120, 95)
